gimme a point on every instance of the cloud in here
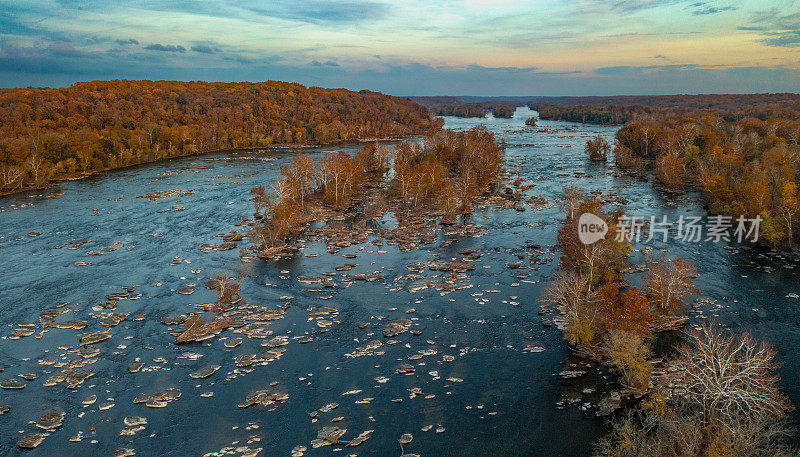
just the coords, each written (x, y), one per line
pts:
(43, 60)
(780, 30)
(238, 59)
(788, 39)
(165, 48)
(329, 63)
(10, 24)
(630, 6)
(630, 69)
(320, 12)
(773, 19)
(398, 47)
(703, 8)
(203, 48)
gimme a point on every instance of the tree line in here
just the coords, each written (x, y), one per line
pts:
(745, 167)
(49, 134)
(501, 109)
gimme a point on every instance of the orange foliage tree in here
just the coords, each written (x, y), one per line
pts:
(108, 124)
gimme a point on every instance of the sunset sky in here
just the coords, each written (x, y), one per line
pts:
(410, 47)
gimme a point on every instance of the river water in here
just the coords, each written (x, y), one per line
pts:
(492, 399)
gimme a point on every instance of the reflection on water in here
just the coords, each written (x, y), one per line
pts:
(493, 398)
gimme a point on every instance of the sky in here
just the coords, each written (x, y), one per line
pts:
(411, 47)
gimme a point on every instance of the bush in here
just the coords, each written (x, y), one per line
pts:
(628, 352)
(625, 158)
(597, 148)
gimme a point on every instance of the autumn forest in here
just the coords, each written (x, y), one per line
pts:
(48, 134)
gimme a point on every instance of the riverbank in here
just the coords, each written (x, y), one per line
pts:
(274, 147)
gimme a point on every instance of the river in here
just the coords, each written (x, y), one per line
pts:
(492, 399)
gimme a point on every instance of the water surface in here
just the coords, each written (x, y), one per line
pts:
(509, 402)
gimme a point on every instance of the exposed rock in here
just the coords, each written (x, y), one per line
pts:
(198, 330)
(263, 398)
(396, 327)
(31, 440)
(92, 338)
(328, 436)
(73, 324)
(134, 421)
(608, 404)
(205, 372)
(364, 436)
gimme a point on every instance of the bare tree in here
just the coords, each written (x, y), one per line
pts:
(35, 164)
(669, 282)
(10, 177)
(597, 148)
(731, 378)
(573, 294)
(573, 195)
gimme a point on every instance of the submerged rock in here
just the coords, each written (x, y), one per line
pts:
(12, 384)
(233, 342)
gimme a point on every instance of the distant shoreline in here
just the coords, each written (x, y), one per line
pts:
(274, 147)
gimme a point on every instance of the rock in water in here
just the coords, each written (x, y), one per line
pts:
(609, 404)
(92, 338)
(328, 436)
(205, 372)
(364, 436)
(263, 398)
(396, 327)
(12, 384)
(31, 440)
(51, 420)
(133, 421)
